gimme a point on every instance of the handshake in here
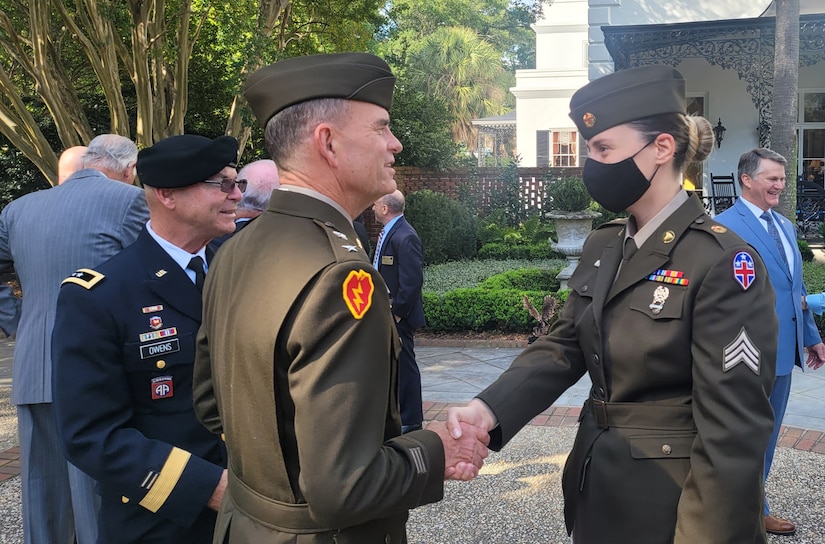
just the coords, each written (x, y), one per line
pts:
(465, 436)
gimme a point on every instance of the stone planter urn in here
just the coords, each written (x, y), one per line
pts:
(572, 229)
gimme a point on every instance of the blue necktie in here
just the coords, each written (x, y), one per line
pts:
(775, 235)
(377, 255)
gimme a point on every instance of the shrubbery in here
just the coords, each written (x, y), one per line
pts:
(447, 228)
(805, 250)
(494, 303)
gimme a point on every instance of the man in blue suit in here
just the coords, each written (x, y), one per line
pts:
(400, 260)
(45, 236)
(124, 346)
(761, 180)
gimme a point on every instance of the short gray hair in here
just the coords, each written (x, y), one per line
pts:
(291, 126)
(110, 151)
(262, 178)
(749, 161)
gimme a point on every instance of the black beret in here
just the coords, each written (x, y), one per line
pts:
(356, 76)
(184, 160)
(627, 95)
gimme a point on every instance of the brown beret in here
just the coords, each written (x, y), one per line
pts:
(627, 95)
(356, 76)
(184, 160)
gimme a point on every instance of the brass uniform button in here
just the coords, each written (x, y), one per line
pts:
(161, 364)
(124, 500)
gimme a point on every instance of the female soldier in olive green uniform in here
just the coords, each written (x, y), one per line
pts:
(679, 339)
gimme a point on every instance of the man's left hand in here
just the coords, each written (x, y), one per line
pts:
(816, 356)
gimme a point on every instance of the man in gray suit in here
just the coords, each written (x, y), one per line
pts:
(46, 236)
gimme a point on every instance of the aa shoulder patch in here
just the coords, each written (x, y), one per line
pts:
(744, 271)
(741, 350)
(85, 278)
(358, 290)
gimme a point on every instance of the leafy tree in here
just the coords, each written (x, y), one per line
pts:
(454, 63)
(504, 24)
(69, 60)
(423, 126)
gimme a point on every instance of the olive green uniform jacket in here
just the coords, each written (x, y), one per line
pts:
(297, 367)
(670, 446)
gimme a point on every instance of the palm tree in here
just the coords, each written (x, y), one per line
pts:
(784, 100)
(455, 65)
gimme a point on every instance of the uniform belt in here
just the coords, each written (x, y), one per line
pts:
(285, 517)
(640, 415)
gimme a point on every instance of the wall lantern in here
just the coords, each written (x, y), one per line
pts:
(719, 133)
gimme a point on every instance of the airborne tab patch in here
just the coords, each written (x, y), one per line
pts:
(358, 289)
(85, 278)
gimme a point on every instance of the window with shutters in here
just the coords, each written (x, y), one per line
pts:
(557, 148)
(564, 148)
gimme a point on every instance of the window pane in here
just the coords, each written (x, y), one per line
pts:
(814, 111)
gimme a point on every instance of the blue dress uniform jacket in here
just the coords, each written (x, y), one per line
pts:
(124, 347)
(671, 442)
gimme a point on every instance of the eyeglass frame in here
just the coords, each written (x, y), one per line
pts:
(227, 185)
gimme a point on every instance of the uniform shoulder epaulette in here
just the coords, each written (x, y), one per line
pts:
(725, 237)
(85, 278)
(344, 248)
(621, 222)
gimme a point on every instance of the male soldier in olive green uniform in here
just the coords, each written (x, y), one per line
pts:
(297, 356)
(678, 337)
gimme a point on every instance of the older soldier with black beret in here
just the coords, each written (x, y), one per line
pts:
(298, 353)
(671, 315)
(123, 350)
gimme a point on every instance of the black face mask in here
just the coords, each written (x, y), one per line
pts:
(618, 185)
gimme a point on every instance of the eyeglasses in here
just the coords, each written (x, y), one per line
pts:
(227, 184)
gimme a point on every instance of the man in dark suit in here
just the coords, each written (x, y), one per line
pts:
(45, 236)
(400, 260)
(124, 345)
(761, 181)
(297, 355)
(261, 179)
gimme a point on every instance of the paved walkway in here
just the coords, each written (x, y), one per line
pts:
(454, 374)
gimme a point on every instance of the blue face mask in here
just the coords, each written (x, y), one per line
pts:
(616, 186)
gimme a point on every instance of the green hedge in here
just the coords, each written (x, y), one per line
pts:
(479, 309)
(503, 250)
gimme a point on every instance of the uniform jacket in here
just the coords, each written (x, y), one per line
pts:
(297, 365)
(402, 267)
(124, 346)
(797, 328)
(671, 443)
(46, 236)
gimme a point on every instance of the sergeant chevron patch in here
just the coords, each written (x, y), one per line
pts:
(741, 350)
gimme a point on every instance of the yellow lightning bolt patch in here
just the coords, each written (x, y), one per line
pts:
(358, 290)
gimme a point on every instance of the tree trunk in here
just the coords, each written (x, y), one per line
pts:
(784, 100)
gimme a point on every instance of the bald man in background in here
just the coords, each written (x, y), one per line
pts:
(261, 179)
(70, 161)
